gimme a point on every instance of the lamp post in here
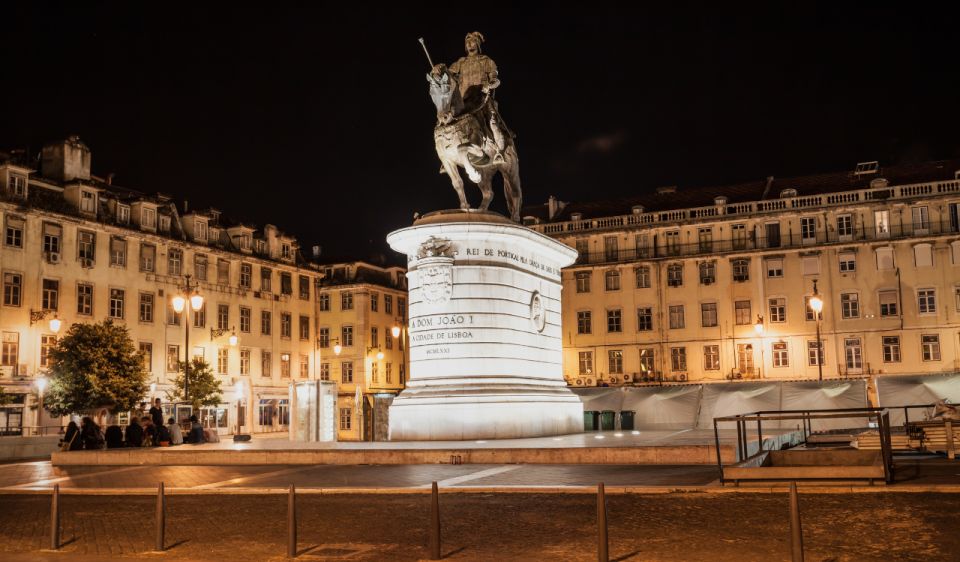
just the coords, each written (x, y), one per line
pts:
(759, 329)
(41, 383)
(816, 304)
(179, 302)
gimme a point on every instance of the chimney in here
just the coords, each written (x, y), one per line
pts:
(110, 177)
(316, 251)
(186, 207)
(66, 160)
(551, 207)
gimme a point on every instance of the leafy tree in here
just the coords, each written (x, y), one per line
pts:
(4, 397)
(95, 366)
(204, 386)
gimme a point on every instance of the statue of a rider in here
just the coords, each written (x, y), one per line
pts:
(477, 75)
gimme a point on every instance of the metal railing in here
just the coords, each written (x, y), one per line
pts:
(31, 431)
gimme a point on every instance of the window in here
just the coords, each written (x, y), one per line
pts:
(778, 310)
(374, 337)
(643, 276)
(711, 357)
(849, 305)
(705, 239)
(741, 271)
(676, 317)
(266, 364)
(374, 302)
(346, 335)
(708, 272)
(324, 337)
(146, 349)
(673, 242)
(266, 279)
(708, 314)
(304, 328)
(46, 344)
(845, 227)
(324, 371)
(921, 220)
(675, 275)
(88, 202)
(286, 325)
(808, 230)
(738, 233)
(926, 301)
(346, 372)
(223, 271)
(118, 252)
(266, 319)
(889, 303)
(10, 354)
(148, 257)
(285, 365)
(304, 366)
(848, 262)
(223, 316)
(388, 304)
(810, 265)
(930, 346)
(388, 340)
(12, 289)
(244, 361)
(84, 299)
(402, 308)
(123, 214)
(774, 267)
(223, 357)
(583, 281)
(853, 354)
(200, 228)
(809, 314)
(303, 284)
(13, 233)
(86, 247)
(286, 283)
(813, 354)
(586, 362)
(52, 234)
(611, 250)
(116, 303)
(246, 276)
(923, 255)
(583, 248)
(612, 280)
(173, 317)
(583, 322)
(885, 259)
(200, 317)
(146, 307)
(642, 242)
(324, 300)
(200, 267)
(50, 295)
(615, 361)
(374, 373)
(245, 319)
(742, 313)
(678, 359)
(18, 186)
(644, 319)
(614, 320)
(891, 349)
(174, 262)
(173, 358)
(389, 373)
(773, 234)
(647, 360)
(781, 356)
(745, 364)
(345, 418)
(346, 300)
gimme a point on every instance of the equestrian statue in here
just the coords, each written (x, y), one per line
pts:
(470, 133)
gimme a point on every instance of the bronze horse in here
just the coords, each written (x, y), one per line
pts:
(465, 138)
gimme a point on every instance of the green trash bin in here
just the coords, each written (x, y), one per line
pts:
(590, 420)
(607, 420)
(626, 420)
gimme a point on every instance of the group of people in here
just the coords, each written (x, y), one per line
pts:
(145, 431)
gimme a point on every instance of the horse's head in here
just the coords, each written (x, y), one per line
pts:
(445, 93)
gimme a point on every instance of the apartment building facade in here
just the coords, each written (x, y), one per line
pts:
(715, 284)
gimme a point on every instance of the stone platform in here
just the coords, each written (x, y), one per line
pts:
(650, 447)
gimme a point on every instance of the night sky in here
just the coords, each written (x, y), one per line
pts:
(317, 119)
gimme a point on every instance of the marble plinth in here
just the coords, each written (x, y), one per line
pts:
(484, 331)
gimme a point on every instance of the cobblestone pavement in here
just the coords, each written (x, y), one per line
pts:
(665, 527)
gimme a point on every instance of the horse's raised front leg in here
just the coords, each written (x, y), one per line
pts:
(457, 182)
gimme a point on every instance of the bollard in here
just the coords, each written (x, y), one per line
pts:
(292, 523)
(161, 517)
(435, 523)
(796, 533)
(603, 554)
(55, 518)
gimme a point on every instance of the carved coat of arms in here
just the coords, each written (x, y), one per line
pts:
(538, 316)
(435, 267)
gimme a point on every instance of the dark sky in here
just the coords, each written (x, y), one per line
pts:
(317, 118)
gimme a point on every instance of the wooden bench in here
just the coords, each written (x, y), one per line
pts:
(935, 436)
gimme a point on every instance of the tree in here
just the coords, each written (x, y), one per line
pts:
(95, 366)
(204, 387)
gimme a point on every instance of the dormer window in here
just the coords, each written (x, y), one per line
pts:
(148, 218)
(18, 186)
(88, 202)
(261, 246)
(200, 230)
(164, 223)
(285, 251)
(123, 214)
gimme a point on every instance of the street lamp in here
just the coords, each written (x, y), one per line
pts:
(179, 302)
(38, 315)
(379, 352)
(218, 332)
(758, 327)
(41, 383)
(337, 348)
(816, 304)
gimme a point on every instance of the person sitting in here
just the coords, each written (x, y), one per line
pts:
(176, 436)
(90, 434)
(149, 431)
(162, 438)
(114, 437)
(134, 436)
(196, 432)
(71, 439)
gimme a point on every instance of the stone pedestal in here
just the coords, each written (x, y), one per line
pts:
(484, 331)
